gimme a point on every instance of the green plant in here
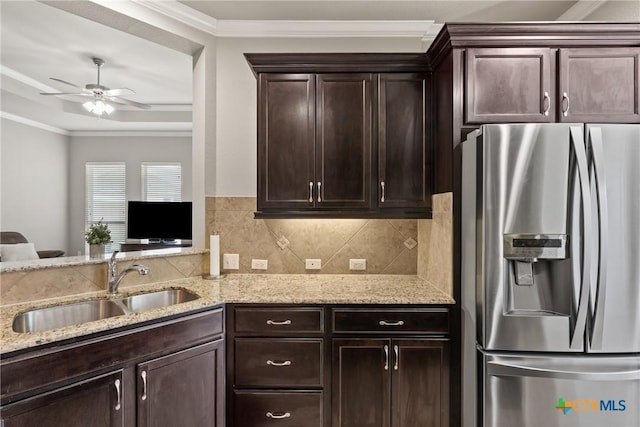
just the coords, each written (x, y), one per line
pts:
(98, 233)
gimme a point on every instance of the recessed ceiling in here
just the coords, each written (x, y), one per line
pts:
(40, 41)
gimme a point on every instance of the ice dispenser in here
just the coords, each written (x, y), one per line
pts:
(536, 272)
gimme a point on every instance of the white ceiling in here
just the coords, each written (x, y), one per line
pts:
(40, 41)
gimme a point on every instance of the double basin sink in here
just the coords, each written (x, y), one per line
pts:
(44, 319)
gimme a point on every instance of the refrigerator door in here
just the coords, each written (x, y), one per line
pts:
(532, 266)
(614, 157)
(562, 391)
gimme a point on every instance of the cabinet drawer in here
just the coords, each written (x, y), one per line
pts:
(278, 321)
(390, 321)
(278, 362)
(263, 409)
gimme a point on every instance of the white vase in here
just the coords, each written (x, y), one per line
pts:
(96, 251)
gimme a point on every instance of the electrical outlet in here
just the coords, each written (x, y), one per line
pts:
(357, 264)
(312, 264)
(259, 264)
(230, 261)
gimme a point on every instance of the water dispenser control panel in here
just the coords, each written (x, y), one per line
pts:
(533, 247)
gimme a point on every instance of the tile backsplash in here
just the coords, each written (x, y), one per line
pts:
(390, 246)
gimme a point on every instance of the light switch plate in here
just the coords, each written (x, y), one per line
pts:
(312, 264)
(230, 261)
(259, 264)
(357, 264)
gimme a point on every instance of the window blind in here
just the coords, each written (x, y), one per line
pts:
(161, 182)
(106, 199)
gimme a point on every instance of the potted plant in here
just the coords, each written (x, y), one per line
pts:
(97, 236)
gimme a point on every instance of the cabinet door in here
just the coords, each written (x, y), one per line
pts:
(509, 85)
(361, 383)
(403, 150)
(96, 402)
(286, 109)
(600, 85)
(420, 383)
(343, 140)
(183, 389)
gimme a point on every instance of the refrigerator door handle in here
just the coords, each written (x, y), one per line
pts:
(597, 330)
(512, 370)
(577, 141)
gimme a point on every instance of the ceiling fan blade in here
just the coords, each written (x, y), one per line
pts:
(124, 101)
(67, 83)
(119, 91)
(65, 93)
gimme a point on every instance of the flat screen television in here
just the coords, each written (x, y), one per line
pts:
(159, 221)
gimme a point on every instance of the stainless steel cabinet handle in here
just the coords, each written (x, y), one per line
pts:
(385, 323)
(319, 192)
(565, 97)
(382, 187)
(386, 357)
(310, 192)
(546, 103)
(397, 355)
(273, 363)
(278, 416)
(278, 323)
(117, 384)
(144, 385)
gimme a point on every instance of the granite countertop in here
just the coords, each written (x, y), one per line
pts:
(235, 288)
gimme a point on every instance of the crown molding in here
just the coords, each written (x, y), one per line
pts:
(6, 71)
(425, 30)
(157, 134)
(33, 123)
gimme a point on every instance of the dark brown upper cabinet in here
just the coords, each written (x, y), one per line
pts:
(343, 141)
(529, 72)
(599, 85)
(286, 141)
(509, 85)
(404, 156)
(343, 135)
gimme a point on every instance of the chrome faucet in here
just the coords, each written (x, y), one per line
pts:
(114, 278)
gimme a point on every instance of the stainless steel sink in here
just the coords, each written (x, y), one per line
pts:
(43, 319)
(151, 300)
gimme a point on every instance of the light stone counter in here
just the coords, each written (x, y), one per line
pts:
(241, 288)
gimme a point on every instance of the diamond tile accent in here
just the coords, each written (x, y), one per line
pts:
(283, 242)
(410, 243)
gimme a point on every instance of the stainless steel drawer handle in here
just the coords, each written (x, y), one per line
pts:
(565, 97)
(386, 357)
(397, 361)
(382, 186)
(278, 416)
(117, 384)
(278, 323)
(310, 192)
(284, 363)
(546, 103)
(385, 323)
(144, 385)
(318, 196)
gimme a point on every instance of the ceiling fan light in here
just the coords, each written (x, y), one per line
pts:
(108, 108)
(88, 106)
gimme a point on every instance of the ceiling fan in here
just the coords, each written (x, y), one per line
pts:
(100, 94)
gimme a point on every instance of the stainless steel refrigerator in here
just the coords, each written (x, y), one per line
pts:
(551, 275)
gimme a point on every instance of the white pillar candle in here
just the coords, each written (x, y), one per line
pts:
(214, 255)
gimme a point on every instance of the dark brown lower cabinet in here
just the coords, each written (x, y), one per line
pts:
(183, 389)
(165, 374)
(390, 383)
(96, 402)
(278, 408)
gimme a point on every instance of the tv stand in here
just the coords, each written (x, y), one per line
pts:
(129, 247)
